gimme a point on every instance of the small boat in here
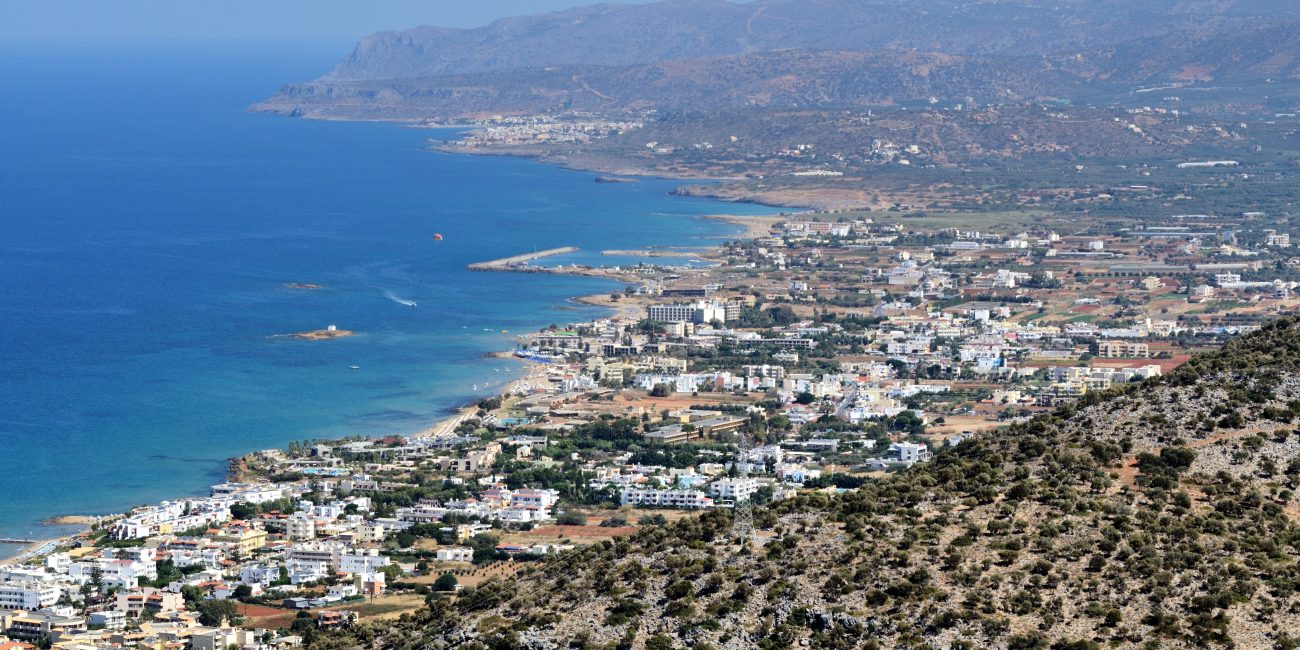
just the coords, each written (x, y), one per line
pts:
(399, 300)
(355, 367)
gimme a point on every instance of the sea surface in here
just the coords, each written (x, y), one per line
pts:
(148, 229)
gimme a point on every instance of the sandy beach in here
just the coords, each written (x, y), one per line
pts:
(535, 376)
(755, 226)
(622, 308)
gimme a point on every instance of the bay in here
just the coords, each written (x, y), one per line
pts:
(149, 227)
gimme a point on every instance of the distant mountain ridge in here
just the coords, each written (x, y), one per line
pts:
(618, 35)
(726, 87)
(797, 78)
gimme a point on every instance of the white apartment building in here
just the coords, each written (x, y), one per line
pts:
(366, 561)
(735, 490)
(909, 452)
(259, 574)
(699, 312)
(304, 571)
(454, 554)
(28, 596)
(172, 516)
(662, 498)
(422, 513)
(121, 573)
(300, 528)
(1122, 349)
(249, 492)
(766, 371)
(534, 499)
(108, 620)
(327, 553)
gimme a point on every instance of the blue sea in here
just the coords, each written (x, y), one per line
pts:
(149, 225)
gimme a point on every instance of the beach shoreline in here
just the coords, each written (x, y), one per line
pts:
(535, 373)
(754, 227)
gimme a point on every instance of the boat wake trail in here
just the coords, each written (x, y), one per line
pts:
(398, 299)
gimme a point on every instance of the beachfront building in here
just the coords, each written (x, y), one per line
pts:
(255, 493)
(698, 312)
(172, 517)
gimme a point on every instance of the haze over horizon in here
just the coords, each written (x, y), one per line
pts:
(248, 19)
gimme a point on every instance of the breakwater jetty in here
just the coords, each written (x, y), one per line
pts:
(655, 253)
(508, 263)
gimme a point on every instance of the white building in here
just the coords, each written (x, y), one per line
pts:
(663, 498)
(909, 452)
(120, 573)
(328, 553)
(699, 312)
(259, 574)
(300, 528)
(29, 596)
(454, 554)
(109, 620)
(368, 561)
(734, 490)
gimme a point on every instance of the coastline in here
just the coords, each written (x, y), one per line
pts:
(535, 374)
(754, 227)
(714, 187)
(821, 198)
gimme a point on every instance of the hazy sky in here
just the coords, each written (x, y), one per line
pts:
(312, 19)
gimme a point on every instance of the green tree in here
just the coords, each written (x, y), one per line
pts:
(243, 511)
(214, 613)
(571, 518)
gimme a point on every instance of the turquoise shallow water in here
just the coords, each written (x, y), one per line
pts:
(148, 226)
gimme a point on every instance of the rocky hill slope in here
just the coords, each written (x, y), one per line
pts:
(1163, 515)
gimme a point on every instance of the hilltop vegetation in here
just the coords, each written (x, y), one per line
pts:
(1158, 516)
